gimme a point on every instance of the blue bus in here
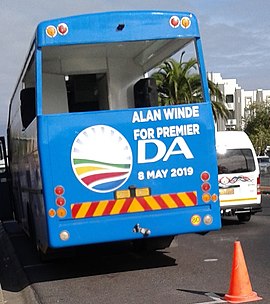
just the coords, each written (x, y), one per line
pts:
(93, 156)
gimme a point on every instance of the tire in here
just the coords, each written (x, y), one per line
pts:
(244, 217)
(33, 238)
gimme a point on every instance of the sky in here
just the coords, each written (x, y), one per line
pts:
(235, 35)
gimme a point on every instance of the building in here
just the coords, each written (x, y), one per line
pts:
(237, 101)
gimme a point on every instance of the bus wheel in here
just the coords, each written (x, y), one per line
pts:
(244, 217)
(33, 237)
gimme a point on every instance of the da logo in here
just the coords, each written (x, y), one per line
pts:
(101, 158)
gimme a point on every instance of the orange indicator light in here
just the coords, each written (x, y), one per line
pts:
(206, 197)
(185, 22)
(214, 197)
(52, 213)
(61, 212)
(51, 31)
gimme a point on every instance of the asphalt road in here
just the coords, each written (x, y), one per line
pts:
(196, 269)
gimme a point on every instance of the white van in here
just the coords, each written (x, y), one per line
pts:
(238, 175)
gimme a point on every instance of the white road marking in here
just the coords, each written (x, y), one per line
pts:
(210, 260)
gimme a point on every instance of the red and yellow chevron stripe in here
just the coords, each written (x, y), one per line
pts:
(133, 204)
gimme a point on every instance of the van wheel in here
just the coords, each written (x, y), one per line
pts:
(244, 217)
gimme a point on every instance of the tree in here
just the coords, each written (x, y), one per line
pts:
(257, 125)
(177, 83)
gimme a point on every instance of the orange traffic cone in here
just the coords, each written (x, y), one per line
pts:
(240, 287)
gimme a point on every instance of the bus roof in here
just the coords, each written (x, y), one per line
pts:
(117, 26)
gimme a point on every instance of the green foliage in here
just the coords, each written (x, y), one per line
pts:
(257, 126)
(179, 83)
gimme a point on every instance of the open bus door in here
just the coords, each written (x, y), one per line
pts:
(5, 197)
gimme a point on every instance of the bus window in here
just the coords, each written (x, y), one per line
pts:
(27, 95)
(28, 108)
(54, 95)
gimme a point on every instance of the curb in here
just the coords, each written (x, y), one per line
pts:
(15, 287)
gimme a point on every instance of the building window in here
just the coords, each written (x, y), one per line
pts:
(248, 101)
(229, 98)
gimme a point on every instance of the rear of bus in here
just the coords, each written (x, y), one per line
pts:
(238, 175)
(115, 165)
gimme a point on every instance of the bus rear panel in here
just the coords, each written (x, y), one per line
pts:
(104, 179)
(99, 159)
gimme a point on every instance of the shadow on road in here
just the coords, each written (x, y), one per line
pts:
(84, 261)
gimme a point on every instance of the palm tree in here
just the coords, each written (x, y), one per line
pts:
(177, 83)
(218, 107)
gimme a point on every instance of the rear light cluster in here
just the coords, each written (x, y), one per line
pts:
(60, 202)
(61, 29)
(206, 187)
(206, 198)
(258, 185)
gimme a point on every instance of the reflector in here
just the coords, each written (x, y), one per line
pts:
(64, 235)
(208, 220)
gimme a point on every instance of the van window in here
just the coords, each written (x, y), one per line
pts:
(1, 151)
(236, 161)
(263, 159)
(2, 160)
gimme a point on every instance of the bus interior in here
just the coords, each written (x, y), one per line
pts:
(79, 78)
